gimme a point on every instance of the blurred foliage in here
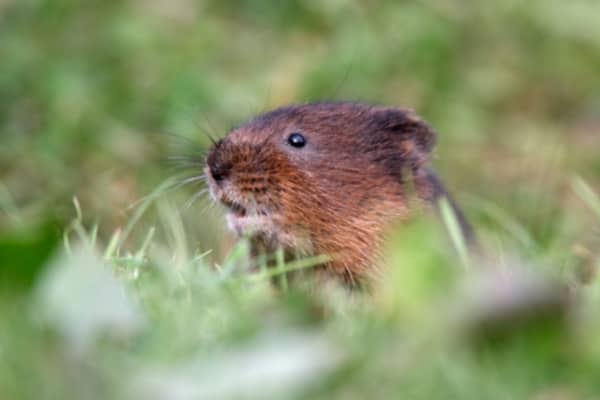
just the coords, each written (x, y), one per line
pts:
(89, 90)
(23, 254)
(96, 96)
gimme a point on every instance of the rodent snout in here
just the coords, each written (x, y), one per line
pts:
(238, 178)
(219, 171)
(218, 168)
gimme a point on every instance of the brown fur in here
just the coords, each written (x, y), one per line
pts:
(336, 195)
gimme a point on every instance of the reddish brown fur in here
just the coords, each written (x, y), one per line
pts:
(336, 195)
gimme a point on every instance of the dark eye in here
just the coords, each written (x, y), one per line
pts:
(296, 140)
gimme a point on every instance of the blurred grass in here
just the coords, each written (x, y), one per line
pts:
(90, 95)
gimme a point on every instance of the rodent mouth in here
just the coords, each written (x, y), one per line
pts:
(252, 220)
(237, 209)
(249, 222)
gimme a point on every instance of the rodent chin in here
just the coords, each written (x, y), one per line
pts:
(269, 233)
(249, 224)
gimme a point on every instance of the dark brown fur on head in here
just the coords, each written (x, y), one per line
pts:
(337, 194)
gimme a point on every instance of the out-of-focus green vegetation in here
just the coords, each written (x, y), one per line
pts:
(124, 303)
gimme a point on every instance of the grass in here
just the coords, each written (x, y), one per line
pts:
(161, 322)
(114, 284)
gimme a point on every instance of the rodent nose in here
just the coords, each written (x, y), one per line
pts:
(219, 171)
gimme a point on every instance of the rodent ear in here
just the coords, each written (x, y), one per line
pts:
(416, 138)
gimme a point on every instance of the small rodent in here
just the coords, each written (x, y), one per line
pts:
(325, 178)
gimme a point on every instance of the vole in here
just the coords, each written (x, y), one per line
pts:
(325, 178)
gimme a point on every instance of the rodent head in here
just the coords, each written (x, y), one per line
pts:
(319, 178)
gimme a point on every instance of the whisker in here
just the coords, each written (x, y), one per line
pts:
(179, 169)
(191, 179)
(195, 197)
(183, 158)
(185, 140)
(210, 205)
(211, 138)
(165, 187)
(206, 132)
(191, 153)
(168, 187)
(183, 168)
(184, 163)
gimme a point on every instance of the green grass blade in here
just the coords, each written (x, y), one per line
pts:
(453, 227)
(587, 194)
